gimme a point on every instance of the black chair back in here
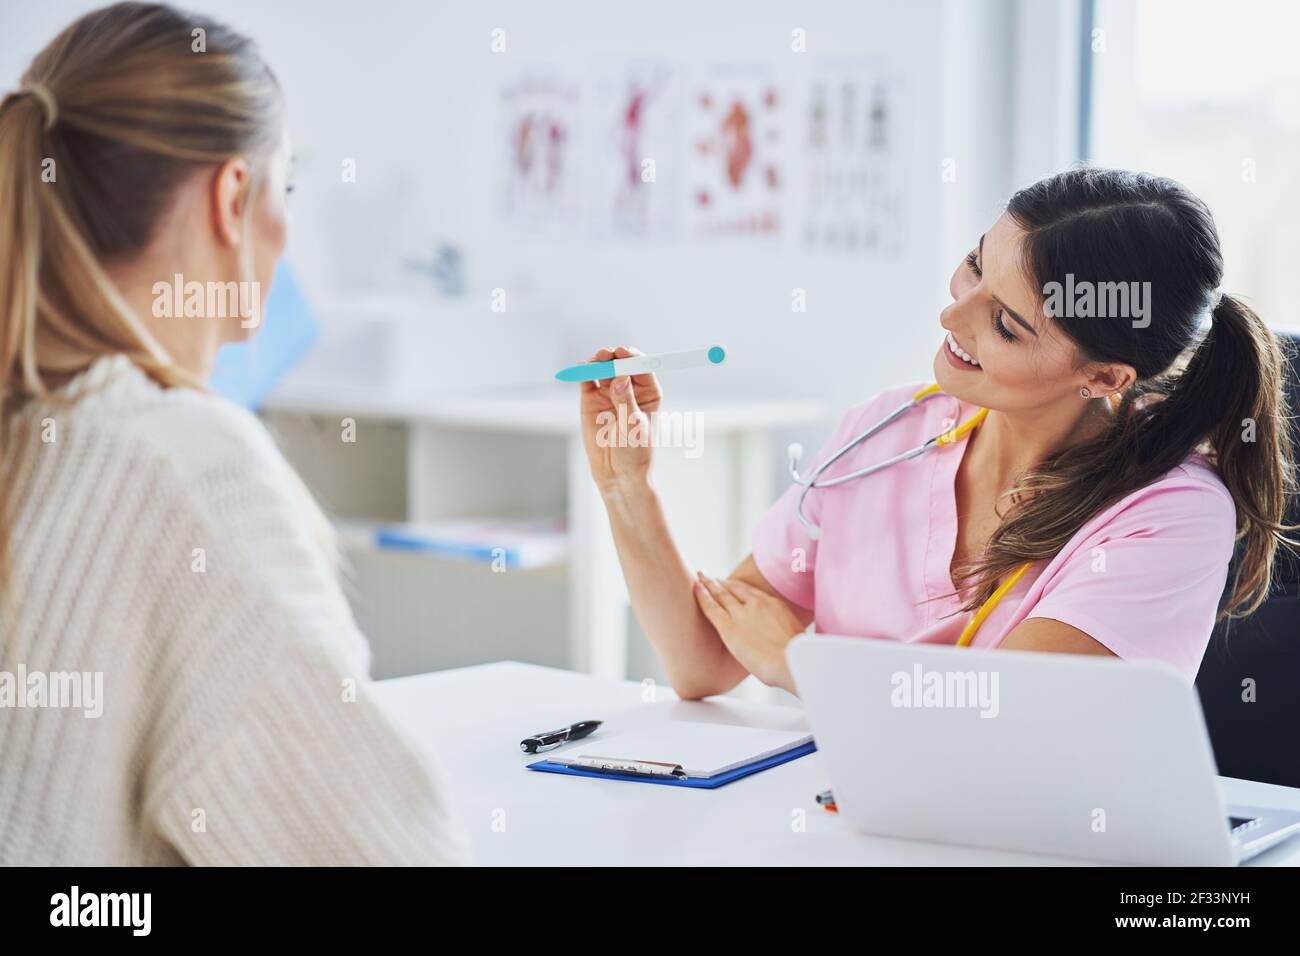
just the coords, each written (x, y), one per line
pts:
(1249, 681)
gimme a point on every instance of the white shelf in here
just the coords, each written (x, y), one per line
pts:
(545, 409)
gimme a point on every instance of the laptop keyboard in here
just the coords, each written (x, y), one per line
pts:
(1242, 824)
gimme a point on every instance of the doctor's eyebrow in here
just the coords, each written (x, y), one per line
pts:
(1006, 308)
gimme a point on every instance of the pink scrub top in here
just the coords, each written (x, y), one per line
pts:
(1143, 577)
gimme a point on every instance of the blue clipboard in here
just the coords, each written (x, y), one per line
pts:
(695, 783)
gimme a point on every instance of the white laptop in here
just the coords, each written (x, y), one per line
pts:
(1067, 755)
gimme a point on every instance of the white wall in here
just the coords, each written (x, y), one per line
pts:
(408, 89)
(867, 321)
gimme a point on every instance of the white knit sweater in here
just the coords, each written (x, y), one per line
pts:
(157, 538)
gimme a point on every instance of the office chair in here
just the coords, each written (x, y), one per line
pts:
(1260, 740)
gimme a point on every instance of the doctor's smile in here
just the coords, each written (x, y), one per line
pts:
(958, 356)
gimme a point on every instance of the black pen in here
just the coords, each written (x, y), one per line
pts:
(553, 738)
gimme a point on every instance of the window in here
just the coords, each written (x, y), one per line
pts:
(1209, 93)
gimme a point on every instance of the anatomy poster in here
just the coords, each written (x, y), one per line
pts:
(851, 161)
(539, 143)
(635, 162)
(737, 154)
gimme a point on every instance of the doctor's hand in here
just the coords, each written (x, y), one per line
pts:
(755, 626)
(616, 424)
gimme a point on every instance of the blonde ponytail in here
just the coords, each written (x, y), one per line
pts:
(109, 118)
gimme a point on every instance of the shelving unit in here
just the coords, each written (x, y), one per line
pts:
(515, 453)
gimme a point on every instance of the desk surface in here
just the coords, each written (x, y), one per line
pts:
(470, 721)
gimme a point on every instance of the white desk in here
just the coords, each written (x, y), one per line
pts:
(471, 720)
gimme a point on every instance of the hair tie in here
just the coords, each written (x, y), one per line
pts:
(1207, 317)
(48, 105)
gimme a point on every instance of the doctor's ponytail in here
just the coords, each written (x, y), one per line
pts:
(1209, 376)
(1240, 361)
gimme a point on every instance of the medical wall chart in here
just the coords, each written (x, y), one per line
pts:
(852, 201)
(635, 168)
(737, 153)
(649, 149)
(539, 146)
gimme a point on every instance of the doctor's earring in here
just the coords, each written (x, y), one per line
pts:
(1085, 392)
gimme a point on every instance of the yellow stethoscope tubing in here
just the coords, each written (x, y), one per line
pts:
(985, 609)
(950, 437)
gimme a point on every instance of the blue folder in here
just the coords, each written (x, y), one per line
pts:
(695, 783)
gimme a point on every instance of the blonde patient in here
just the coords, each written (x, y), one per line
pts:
(152, 534)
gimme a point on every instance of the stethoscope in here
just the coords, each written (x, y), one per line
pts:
(949, 437)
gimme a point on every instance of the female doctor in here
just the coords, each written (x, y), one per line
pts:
(1094, 508)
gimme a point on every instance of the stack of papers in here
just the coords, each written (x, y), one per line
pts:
(701, 750)
(519, 543)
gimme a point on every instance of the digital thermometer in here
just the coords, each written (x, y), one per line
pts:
(639, 364)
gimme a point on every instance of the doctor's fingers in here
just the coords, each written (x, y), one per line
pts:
(600, 355)
(715, 612)
(746, 593)
(631, 351)
(721, 593)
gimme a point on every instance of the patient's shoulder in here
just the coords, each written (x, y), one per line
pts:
(119, 408)
(113, 432)
(201, 432)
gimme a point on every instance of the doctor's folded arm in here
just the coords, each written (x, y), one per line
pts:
(1046, 481)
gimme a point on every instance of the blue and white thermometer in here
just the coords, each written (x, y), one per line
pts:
(640, 364)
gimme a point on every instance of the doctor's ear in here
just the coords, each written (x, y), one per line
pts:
(1103, 380)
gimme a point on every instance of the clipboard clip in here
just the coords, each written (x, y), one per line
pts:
(634, 768)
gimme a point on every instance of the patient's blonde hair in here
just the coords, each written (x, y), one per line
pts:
(110, 117)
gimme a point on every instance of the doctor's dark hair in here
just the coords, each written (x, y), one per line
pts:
(1217, 390)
